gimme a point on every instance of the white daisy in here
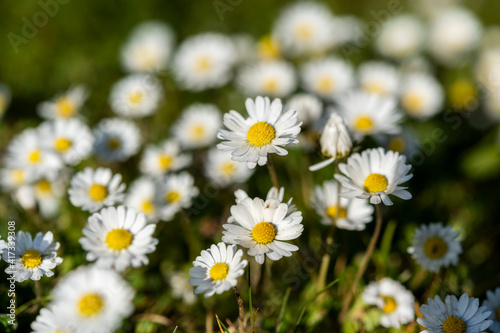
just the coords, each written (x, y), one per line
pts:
(393, 299)
(148, 48)
(118, 238)
(141, 197)
(12, 178)
(217, 269)
(34, 258)
(65, 105)
(421, 95)
(268, 128)
(174, 193)
(51, 319)
(328, 77)
(48, 193)
(492, 303)
(5, 97)
(181, 288)
(221, 170)
(197, 126)
(262, 227)
(93, 189)
(349, 214)
(454, 315)
(378, 77)
(92, 299)
(400, 37)
(435, 246)
(116, 139)
(375, 174)
(308, 106)
(137, 95)
(272, 78)
(166, 157)
(204, 61)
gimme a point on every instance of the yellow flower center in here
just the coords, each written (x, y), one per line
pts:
(435, 248)
(31, 258)
(17, 176)
(268, 48)
(375, 88)
(219, 271)
(118, 239)
(375, 182)
(261, 134)
(44, 186)
(203, 64)
(304, 31)
(90, 305)
(62, 144)
(35, 156)
(271, 85)
(335, 212)
(364, 124)
(165, 161)
(197, 131)
(65, 108)
(461, 93)
(454, 324)
(228, 168)
(172, 197)
(264, 233)
(390, 304)
(148, 207)
(397, 144)
(325, 84)
(413, 102)
(135, 97)
(98, 192)
(114, 143)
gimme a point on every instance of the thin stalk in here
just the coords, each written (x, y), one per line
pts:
(241, 309)
(38, 295)
(272, 172)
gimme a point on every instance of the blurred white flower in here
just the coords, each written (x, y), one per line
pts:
(421, 95)
(401, 36)
(174, 193)
(308, 106)
(492, 303)
(223, 171)
(272, 78)
(65, 105)
(141, 197)
(328, 77)
(181, 288)
(157, 160)
(197, 126)
(379, 77)
(116, 139)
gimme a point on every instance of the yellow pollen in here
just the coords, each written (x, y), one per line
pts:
(261, 134)
(35, 156)
(165, 161)
(304, 31)
(325, 84)
(135, 97)
(397, 144)
(98, 192)
(462, 93)
(114, 144)
(65, 108)
(90, 305)
(148, 207)
(364, 124)
(268, 48)
(118, 239)
(332, 212)
(271, 84)
(31, 258)
(412, 102)
(264, 233)
(390, 304)
(228, 168)
(219, 271)
(172, 197)
(44, 186)
(17, 176)
(62, 144)
(197, 131)
(454, 324)
(375, 182)
(435, 248)
(203, 64)
(375, 88)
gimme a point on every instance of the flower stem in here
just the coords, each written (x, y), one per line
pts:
(241, 316)
(38, 295)
(325, 262)
(272, 172)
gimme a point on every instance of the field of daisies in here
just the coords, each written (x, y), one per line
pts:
(247, 166)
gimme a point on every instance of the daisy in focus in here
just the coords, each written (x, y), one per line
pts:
(374, 174)
(221, 170)
(270, 78)
(166, 157)
(328, 77)
(377, 77)
(65, 105)
(174, 193)
(435, 246)
(197, 126)
(492, 303)
(401, 37)
(116, 139)
(141, 197)
(421, 95)
(268, 128)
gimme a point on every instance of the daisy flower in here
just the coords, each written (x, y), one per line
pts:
(378, 77)
(93, 189)
(263, 227)
(116, 139)
(118, 238)
(308, 106)
(204, 61)
(197, 126)
(435, 246)
(268, 128)
(375, 174)
(34, 258)
(421, 95)
(148, 48)
(400, 37)
(166, 157)
(221, 170)
(65, 105)
(137, 95)
(174, 193)
(51, 320)
(492, 303)
(141, 197)
(92, 299)
(48, 193)
(217, 269)
(5, 97)
(272, 78)
(328, 77)
(348, 214)
(181, 288)
(393, 299)
(454, 315)
(12, 178)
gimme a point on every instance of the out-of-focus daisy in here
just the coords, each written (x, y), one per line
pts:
(378, 77)
(51, 320)
(71, 139)
(405, 143)
(92, 299)
(271, 78)
(223, 171)
(197, 126)
(369, 114)
(5, 96)
(400, 37)
(349, 214)
(308, 106)
(268, 48)
(488, 69)
(421, 95)
(435, 246)
(327, 77)
(181, 288)
(136, 95)
(93, 189)
(166, 157)
(492, 303)
(148, 48)
(65, 105)
(217, 269)
(12, 178)
(454, 315)
(263, 227)
(116, 139)
(118, 238)
(375, 174)
(48, 193)
(204, 61)
(34, 258)
(174, 193)
(268, 128)
(393, 299)
(141, 197)
(463, 95)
